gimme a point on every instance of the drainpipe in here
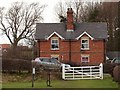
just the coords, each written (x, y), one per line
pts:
(69, 51)
(104, 51)
(38, 48)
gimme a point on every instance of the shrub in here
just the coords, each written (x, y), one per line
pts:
(116, 73)
(16, 65)
(108, 68)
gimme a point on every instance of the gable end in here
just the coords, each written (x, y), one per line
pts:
(84, 34)
(55, 34)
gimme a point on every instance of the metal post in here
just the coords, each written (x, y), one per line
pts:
(33, 76)
(48, 82)
(33, 69)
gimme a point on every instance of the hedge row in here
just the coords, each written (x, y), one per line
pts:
(19, 65)
(113, 69)
(108, 68)
(116, 73)
(16, 65)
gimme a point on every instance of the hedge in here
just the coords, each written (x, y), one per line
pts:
(116, 73)
(16, 65)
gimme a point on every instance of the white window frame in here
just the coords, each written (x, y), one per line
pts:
(53, 43)
(84, 43)
(85, 57)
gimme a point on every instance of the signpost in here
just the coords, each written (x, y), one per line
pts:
(33, 76)
(47, 69)
(48, 82)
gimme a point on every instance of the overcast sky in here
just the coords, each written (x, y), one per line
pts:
(48, 14)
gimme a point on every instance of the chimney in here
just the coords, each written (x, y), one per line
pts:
(70, 26)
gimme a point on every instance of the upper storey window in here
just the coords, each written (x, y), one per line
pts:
(84, 44)
(54, 44)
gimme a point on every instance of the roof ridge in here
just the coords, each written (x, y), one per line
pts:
(50, 23)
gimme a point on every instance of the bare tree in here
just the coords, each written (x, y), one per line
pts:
(82, 9)
(60, 10)
(77, 6)
(109, 14)
(19, 21)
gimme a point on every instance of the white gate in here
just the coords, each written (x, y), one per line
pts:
(83, 72)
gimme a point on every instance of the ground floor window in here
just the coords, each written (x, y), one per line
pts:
(84, 58)
(55, 56)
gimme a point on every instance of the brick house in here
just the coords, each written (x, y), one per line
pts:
(76, 43)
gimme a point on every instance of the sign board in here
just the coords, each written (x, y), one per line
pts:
(33, 70)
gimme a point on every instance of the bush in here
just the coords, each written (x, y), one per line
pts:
(116, 73)
(20, 52)
(108, 68)
(16, 65)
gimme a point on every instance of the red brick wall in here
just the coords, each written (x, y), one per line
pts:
(70, 19)
(96, 52)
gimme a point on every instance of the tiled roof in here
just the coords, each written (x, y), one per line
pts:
(96, 30)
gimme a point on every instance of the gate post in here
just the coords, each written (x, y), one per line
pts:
(101, 71)
(63, 71)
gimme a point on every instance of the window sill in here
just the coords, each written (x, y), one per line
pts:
(55, 49)
(84, 62)
(84, 49)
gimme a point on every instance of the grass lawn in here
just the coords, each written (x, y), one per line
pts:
(107, 82)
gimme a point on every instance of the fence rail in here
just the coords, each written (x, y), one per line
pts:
(83, 72)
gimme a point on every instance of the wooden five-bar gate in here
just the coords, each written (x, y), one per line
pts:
(83, 72)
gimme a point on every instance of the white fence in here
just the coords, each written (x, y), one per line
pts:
(83, 72)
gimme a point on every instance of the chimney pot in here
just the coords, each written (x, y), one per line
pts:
(69, 9)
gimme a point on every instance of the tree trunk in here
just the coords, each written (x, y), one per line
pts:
(14, 45)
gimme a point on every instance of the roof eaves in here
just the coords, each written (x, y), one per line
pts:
(53, 34)
(86, 34)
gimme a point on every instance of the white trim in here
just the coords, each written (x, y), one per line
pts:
(86, 34)
(53, 34)
(58, 43)
(70, 30)
(82, 44)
